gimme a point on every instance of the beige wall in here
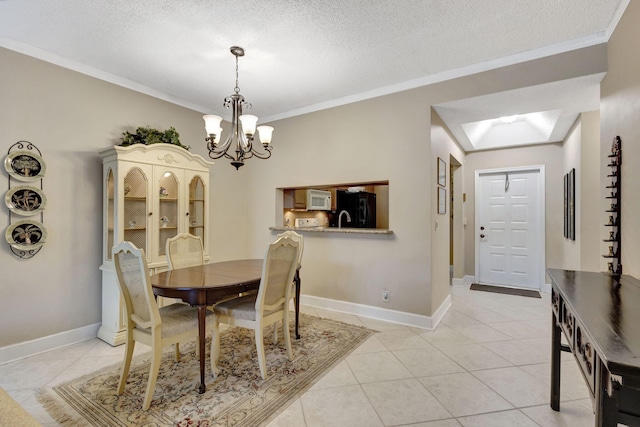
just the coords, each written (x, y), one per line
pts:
(582, 152)
(70, 117)
(590, 217)
(620, 115)
(443, 146)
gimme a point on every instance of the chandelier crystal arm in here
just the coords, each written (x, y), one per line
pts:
(240, 138)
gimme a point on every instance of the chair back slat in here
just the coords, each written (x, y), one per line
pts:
(296, 238)
(184, 250)
(277, 274)
(133, 280)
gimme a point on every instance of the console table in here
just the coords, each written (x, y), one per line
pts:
(599, 315)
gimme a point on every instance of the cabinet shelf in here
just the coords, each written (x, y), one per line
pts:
(135, 199)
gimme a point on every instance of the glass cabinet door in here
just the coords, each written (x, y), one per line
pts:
(110, 215)
(168, 215)
(135, 208)
(196, 207)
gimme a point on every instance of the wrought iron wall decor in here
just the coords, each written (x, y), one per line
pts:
(613, 240)
(25, 166)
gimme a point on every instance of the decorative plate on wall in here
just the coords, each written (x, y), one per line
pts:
(25, 165)
(25, 200)
(26, 235)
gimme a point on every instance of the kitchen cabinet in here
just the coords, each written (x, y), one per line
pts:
(151, 193)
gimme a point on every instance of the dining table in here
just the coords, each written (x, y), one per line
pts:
(206, 285)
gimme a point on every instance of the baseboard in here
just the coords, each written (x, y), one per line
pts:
(384, 314)
(40, 345)
(464, 282)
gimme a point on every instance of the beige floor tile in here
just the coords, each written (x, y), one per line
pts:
(515, 385)
(474, 357)
(400, 339)
(572, 384)
(344, 406)
(379, 325)
(403, 402)
(339, 376)
(31, 374)
(521, 330)
(444, 335)
(371, 345)
(518, 352)
(373, 367)
(480, 333)
(498, 419)
(463, 394)
(290, 417)
(440, 423)
(425, 362)
(454, 318)
(571, 414)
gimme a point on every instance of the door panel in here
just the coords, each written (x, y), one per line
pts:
(509, 226)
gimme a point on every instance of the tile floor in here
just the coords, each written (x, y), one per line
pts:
(486, 364)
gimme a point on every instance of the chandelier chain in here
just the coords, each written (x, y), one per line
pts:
(237, 88)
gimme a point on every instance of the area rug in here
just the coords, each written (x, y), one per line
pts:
(504, 290)
(237, 397)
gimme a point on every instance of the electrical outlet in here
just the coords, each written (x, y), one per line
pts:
(385, 296)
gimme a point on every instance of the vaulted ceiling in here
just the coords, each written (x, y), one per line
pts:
(303, 56)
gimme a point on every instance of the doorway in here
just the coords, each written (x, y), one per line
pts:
(510, 227)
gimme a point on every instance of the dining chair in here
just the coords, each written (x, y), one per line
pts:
(146, 323)
(268, 306)
(184, 250)
(296, 277)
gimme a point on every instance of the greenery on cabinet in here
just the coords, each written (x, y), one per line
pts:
(147, 136)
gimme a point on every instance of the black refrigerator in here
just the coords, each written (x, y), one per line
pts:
(361, 207)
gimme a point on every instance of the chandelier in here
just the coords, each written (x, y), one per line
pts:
(243, 128)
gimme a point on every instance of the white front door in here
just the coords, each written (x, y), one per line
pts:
(510, 227)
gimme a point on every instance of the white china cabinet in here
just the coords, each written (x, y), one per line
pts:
(150, 194)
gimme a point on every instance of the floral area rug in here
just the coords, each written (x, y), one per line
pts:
(237, 397)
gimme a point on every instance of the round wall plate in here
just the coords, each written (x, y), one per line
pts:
(25, 166)
(26, 235)
(25, 200)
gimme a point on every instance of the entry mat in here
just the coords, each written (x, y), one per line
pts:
(503, 290)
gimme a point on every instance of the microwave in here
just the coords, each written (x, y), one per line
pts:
(318, 200)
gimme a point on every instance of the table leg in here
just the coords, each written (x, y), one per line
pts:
(297, 281)
(555, 363)
(202, 333)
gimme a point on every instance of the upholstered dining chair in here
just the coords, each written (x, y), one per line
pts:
(268, 306)
(184, 250)
(146, 323)
(296, 277)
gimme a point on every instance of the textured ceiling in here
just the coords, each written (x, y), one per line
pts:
(300, 55)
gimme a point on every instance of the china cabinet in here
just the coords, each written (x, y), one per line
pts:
(150, 194)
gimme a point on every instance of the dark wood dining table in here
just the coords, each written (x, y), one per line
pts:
(208, 284)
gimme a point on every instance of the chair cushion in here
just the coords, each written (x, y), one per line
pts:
(178, 318)
(240, 308)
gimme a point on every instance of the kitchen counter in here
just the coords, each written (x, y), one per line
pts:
(335, 230)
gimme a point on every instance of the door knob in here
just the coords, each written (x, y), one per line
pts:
(482, 236)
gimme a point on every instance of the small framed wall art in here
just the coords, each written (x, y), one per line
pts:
(442, 172)
(442, 200)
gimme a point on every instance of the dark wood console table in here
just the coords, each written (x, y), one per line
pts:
(599, 315)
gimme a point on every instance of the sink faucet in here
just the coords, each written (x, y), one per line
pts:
(340, 218)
